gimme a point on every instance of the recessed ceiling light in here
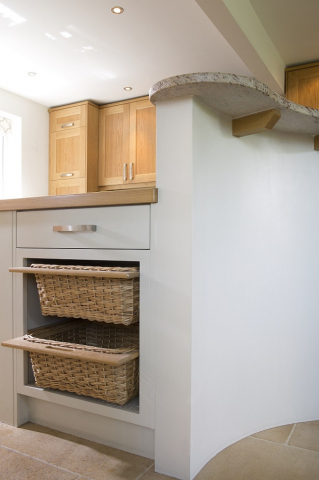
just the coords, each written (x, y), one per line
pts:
(117, 10)
(127, 88)
(66, 34)
(32, 74)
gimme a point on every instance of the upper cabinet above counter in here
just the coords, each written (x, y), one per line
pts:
(302, 84)
(127, 144)
(96, 148)
(73, 149)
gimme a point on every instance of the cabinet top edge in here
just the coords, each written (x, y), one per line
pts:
(137, 196)
(301, 66)
(121, 102)
(69, 105)
(88, 102)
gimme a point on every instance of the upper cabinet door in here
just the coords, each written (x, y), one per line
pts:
(302, 86)
(68, 154)
(142, 166)
(68, 118)
(114, 135)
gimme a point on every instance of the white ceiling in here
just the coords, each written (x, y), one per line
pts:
(150, 41)
(268, 35)
(292, 26)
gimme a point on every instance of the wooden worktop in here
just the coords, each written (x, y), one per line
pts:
(136, 196)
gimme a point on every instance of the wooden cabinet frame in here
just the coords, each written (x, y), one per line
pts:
(73, 149)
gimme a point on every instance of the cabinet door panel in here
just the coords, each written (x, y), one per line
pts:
(68, 153)
(114, 145)
(143, 141)
(303, 86)
(68, 187)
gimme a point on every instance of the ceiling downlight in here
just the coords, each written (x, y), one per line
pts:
(128, 88)
(117, 10)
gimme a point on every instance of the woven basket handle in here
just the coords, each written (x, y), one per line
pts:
(63, 349)
(75, 273)
(107, 358)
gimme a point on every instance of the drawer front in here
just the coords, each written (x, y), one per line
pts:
(68, 118)
(67, 187)
(124, 227)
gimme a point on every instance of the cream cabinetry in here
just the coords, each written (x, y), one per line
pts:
(7, 228)
(122, 227)
(73, 149)
(127, 145)
(114, 241)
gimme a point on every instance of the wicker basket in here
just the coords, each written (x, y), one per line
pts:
(103, 294)
(88, 358)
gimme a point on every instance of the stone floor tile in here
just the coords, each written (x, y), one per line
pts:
(152, 475)
(306, 435)
(74, 454)
(277, 434)
(256, 459)
(14, 466)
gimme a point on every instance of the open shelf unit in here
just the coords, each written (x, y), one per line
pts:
(28, 315)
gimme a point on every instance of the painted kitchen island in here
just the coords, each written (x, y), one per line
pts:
(236, 266)
(233, 271)
(32, 232)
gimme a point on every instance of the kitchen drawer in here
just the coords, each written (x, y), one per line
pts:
(123, 227)
(68, 118)
(67, 186)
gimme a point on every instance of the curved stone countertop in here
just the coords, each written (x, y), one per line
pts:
(234, 96)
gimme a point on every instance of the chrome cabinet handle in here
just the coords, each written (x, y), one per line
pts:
(74, 228)
(66, 174)
(67, 125)
(131, 171)
(124, 171)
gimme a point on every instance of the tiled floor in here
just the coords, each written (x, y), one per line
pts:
(38, 453)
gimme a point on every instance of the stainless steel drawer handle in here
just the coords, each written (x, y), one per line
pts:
(131, 171)
(67, 125)
(74, 228)
(66, 174)
(124, 172)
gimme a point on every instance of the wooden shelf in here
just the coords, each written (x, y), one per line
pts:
(235, 96)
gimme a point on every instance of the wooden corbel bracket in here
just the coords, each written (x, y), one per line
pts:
(256, 123)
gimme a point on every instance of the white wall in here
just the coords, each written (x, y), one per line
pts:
(35, 141)
(255, 329)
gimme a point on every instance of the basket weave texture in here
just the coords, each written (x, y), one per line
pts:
(112, 300)
(115, 384)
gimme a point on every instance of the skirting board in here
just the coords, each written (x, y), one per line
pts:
(106, 431)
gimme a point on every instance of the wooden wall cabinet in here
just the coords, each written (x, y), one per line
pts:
(302, 84)
(73, 161)
(127, 145)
